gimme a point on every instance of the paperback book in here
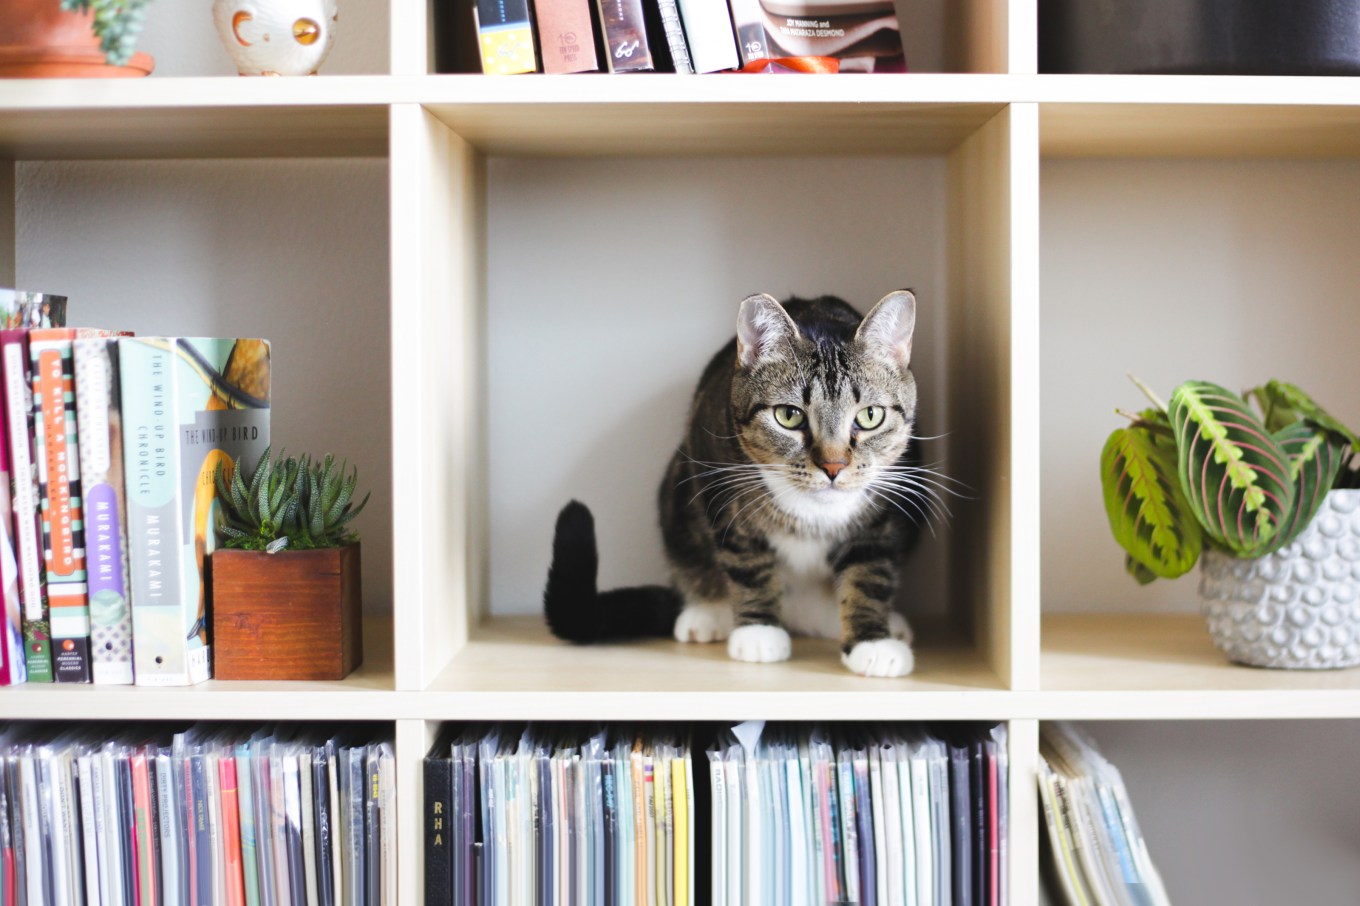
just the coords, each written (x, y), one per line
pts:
(189, 405)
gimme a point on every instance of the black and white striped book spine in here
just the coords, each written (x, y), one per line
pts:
(675, 36)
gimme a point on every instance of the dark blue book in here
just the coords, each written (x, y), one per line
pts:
(438, 825)
(981, 847)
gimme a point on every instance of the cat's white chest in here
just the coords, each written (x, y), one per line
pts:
(808, 606)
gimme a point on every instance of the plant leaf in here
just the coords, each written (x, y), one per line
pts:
(1234, 474)
(1283, 404)
(1315, 457)
(1140, 573)
(1148, 513)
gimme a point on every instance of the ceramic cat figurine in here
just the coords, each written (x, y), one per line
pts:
(787, 507)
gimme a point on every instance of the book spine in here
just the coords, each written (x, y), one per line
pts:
(99, 422)
(337, 866)
(566, 35)
(99, 851)
(292, 829)
(438, 807)
(624, 26)
(246, 821)
(231, 830)
(387, 813)
(708, 26)
(354, 825)
(146, 372)
(13, 670)
(321, 803)
(32, 584)
(54, 792)
(680, 809)
(673, 28)
(304, 771)
(200, 837)
(169, 827)
(145, 831)
(372, 829)
(127, 826)
(56, 453)
(748, 18)
(505, 37)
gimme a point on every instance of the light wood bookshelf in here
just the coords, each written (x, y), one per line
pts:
(443, 652)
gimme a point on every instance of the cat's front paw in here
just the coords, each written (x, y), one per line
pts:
(881, 657)
(704, 622)
(759, 644)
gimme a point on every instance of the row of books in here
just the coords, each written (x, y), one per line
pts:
(108, 446)
(875, 815)
(213, 816)
(1095, 852)
(543, 816)
(682, 36)
(791, 815)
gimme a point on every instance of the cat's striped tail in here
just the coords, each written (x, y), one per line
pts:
(579, 612)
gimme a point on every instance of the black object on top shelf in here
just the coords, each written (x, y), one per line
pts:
(1200, 37)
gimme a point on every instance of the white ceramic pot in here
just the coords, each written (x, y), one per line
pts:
(276, 37)
(1298, 608)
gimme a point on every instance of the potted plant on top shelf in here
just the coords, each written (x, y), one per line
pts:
(1264, 499)
(72, 38)
(285, 581)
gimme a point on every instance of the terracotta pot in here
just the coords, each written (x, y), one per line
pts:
(38, 39)
(294, 615)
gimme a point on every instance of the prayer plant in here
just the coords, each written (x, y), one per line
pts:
(1209, 469)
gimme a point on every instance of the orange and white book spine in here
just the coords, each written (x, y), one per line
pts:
(231, 832)
(144, 831)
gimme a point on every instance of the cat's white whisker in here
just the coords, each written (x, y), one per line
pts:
(936, 506)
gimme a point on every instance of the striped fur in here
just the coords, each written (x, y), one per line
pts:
(755, 499)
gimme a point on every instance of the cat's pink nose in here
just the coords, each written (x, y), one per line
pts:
(833, 468)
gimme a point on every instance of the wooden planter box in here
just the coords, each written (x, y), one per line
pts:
(294, 615)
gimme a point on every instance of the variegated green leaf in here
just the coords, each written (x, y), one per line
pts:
(1282, 404)
(1141, 574)
(1234, 474)
(1147, 510)
(1315, 457)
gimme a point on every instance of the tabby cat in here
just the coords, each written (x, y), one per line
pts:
(782, 510)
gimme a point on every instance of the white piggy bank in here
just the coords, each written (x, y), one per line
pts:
(276, 37)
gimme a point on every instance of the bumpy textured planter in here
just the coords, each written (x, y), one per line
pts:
(1297, 609)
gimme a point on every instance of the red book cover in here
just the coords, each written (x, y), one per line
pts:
(143, 832)
(231, 831)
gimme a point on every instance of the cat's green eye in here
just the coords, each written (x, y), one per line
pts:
(869, 417)
(789, 416)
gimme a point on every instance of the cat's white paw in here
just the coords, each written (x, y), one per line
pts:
(759, 644)
(898, 627)
(704, 622)
(882, 657)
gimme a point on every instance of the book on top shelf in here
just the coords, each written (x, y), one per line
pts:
(505, 37)
(708, 29)
(189, 404)
(566, 36)
(626, 44)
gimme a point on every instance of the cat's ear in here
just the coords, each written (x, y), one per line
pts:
(764, 330)
(887, 329)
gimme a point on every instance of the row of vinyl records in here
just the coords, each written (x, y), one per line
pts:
(681, 36)
(1095, 851)
(108, 447)
(213, 816)
(786, 815)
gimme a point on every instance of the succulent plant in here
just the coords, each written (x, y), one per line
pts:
(117, 25)
(1207, 469)
(288, 502)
